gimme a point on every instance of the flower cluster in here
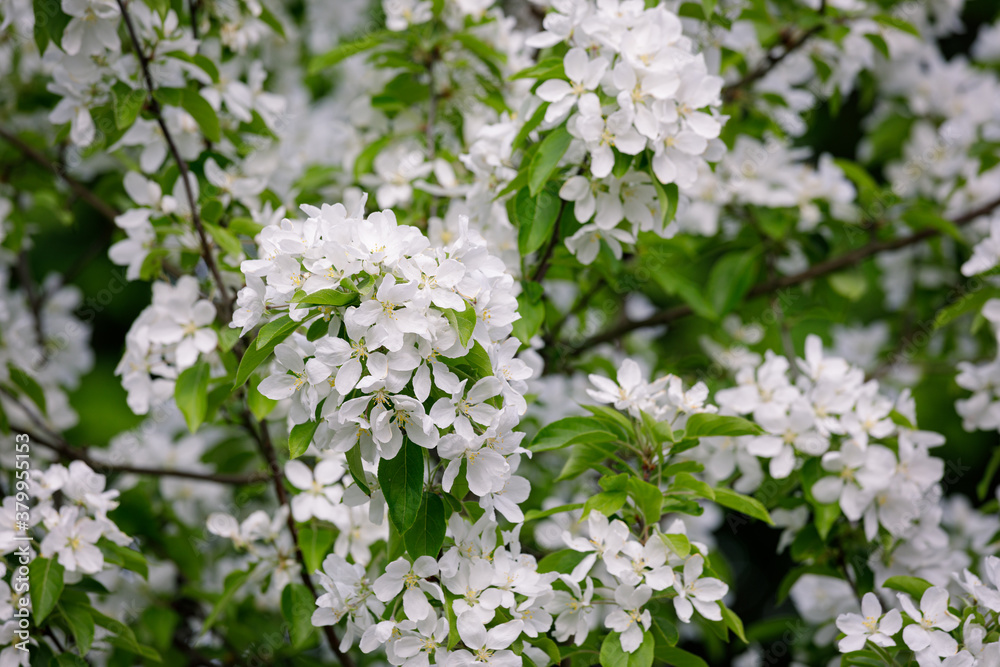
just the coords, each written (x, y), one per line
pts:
(168, 337)
(630, 81)
(70, 524)
(422, 352)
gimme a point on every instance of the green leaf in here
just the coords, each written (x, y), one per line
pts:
(46, 577)
(126, 558)
(77, 615)
(356, 469)
(464, 322)
(534, 515)
(991, 470)
(535, 217)
(731, 278)
(225, 239)
(257, 354)
(191, 394)
(300, 437)
(648, 499)
(315, 544)
(297, 607)
(668, 196)
(534, 121)
(203, 114)
(607, 503)
(571, 431)
(734, 623)
(879, 43)
(678, 543)
(913, 586)
(922, 216)
(402, 482)
(851, 285)
(268, 17)
(687, 481)
(347, 49)
(271, 330)
(549, 68)
(612, 654)
(826, 514)
(704, 424)
(28, 385)
(563, 560)
(745, 504)
(674, 282)
(125, 638)
(325, 297)
(260, 405)
(584, 458)
(546, 158)
(126, 102)
(202, 62)
(897, 23)
(234, 581)
(426, 535)
(671, 655)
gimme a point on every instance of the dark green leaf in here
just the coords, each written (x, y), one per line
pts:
(46, 576)
(745, 504)
(297, 607)
(191, 394)
(300, 437)
(547, 157)
(402, 482)
(704, 424)
(426, 535)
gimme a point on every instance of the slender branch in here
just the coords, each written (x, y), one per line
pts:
(831, 265)
(772, 60)
(36, 301)
(51, 440)
(154, 107)
(543, 264)
(193, 10)
(263, 437)
(78, 188)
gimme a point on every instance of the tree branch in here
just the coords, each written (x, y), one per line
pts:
(154, 107)
(263, 438)
(78, 188)
(826, 267)
(772, 60)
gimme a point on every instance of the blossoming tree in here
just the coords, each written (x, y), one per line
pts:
(464, 332)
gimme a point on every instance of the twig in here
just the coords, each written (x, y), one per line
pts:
(831, 265)
(770, 62)
(543, 264)
(263, 438)
(225, 311)
(78, 188)
(47, 438)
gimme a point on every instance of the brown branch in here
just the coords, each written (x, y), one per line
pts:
(263, 437)
(225, 311)
(829, 266)
(772, 60)
(49, 439)
(59, 170)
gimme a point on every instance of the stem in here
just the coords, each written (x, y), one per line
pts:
(225, 310)
(59, 170)
(831, 265)
(730, 92)
(263, 438)
(543, 264)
